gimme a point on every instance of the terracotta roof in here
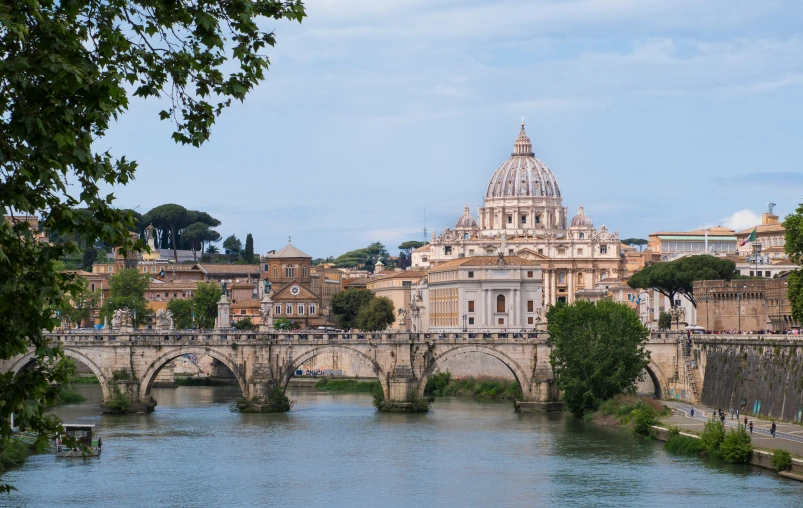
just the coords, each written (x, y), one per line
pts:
(289, 251)
(483, 261)
(764, 228)
(241, 285)
(82, 273)
(425, 248)
(406, 274)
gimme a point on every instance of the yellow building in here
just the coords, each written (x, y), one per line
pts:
(397, 287)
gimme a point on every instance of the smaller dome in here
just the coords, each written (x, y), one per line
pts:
(581, 219)
(466, 220)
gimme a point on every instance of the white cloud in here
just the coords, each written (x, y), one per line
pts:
(742, 219)
(449, 91)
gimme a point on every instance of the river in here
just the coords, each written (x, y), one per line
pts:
(336, 450)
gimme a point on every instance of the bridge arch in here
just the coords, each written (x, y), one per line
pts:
(518, 372)
(328, 348)
(658, 378)
(146, 382)
(29, 358)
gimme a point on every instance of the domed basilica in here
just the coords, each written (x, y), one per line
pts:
(523, 215)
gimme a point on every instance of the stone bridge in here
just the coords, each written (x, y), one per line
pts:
(402, 362)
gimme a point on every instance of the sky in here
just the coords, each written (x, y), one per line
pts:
(380, 118)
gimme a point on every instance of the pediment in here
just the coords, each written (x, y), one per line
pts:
(532, 255)
(286, 293)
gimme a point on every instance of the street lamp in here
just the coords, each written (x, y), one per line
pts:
(465, 318)
(739, 306)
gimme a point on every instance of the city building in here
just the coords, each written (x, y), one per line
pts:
(296, 294)
(397, 286)
(523, 216)
(769, 240)
(479, 293)
(674, 244)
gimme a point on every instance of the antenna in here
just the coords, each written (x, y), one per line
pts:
(425, 225)
(770, 207)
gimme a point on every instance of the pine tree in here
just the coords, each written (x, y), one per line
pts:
(248, 254)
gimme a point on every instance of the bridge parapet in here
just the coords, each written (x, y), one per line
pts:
(750, 339)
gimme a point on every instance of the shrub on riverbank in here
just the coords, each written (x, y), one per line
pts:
(627, 409)
(13, 453)
(684, 445)
(347, 385)
(712, 437)
(86, 380)
(736, 447)
(781, 459)
(442, 384)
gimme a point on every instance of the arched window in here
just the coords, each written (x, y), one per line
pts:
(579, 279)
(561, 277)
(275, 276)
(582, 235)
(289, 271)
(500, 303)
(304, 271)
(603, 275)
(465, 237)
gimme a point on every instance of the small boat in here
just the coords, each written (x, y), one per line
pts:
(82, 433)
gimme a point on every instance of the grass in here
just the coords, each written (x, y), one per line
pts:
(684, 445)
(69, 396)
(86, 380)
(346, 385)
(442, 384)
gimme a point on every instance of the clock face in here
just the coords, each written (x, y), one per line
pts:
(295, 290)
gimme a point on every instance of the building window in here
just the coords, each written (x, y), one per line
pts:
(110, 269)
(561, 252)
(312, 308)
(288, 309)
(524, 219)
(470, 275)
(603, 249)
(424, 259)
(447, 251)
(530, 320)
(144, 269)
(266, 268)
(277, 309)
(93, 286)
(289, 272)
(471, 320)
(510, 219)
(767, 273)
(242, 312)
(175, 295)
(275, 276)
(304, 271)
(470, 252)
(540, 251)
(561, 277)
(603, 276)
(501, 321)
(537, 219)
(529, 274)
(529, 306)
(471, 305)
(300, 309)
(579, 252)
(751, 273)
(582, 235)
(500, 303)
(510, 252)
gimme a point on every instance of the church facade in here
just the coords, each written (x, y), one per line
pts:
(523, 215)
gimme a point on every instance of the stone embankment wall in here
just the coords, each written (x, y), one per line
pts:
(758, 378)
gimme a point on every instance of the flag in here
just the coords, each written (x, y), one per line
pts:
(751, 238)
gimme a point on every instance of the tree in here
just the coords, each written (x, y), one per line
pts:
(232, 245)
(793, 245)
(346, 305)
(205, 300)
(248, 254)
(81, 304)
(677, 277)
(244, 324)
(90, 256)
(597, 352)
(212, 249)
(408, 246)
(664, 321)
(636, 242)
(182, 312)
(127, 291)
(365, 258)
(378, 314)
(68, 70)
(196, 234)
(174, 219)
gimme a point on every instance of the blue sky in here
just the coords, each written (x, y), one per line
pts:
(654, 114)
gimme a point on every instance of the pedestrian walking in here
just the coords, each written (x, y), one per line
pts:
(737, 415)
(731, 411)
(722, 418)
(745, 421)
(692, 412)
(772, 429)
(751, 426)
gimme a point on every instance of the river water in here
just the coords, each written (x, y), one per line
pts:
(335, 450)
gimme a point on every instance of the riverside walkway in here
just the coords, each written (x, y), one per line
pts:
(789, 436)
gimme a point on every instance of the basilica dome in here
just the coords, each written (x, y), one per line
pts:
(466, 221)
(581, 219)
(523, 174)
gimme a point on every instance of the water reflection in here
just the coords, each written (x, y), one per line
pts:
(335, 450)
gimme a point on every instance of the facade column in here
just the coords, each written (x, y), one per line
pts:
(554, 290)
(516, 306)
(570, 275)
(546, 285)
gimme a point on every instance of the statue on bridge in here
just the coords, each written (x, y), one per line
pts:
(122, 318)
(678, 315)
(164, 320)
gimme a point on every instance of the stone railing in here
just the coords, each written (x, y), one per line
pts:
(211, 337)
(749, 339)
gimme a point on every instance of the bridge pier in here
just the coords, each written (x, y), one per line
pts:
(542, 396)
(124, 397)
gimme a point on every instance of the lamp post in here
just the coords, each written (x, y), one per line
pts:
(739, 306)
(465, 318)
